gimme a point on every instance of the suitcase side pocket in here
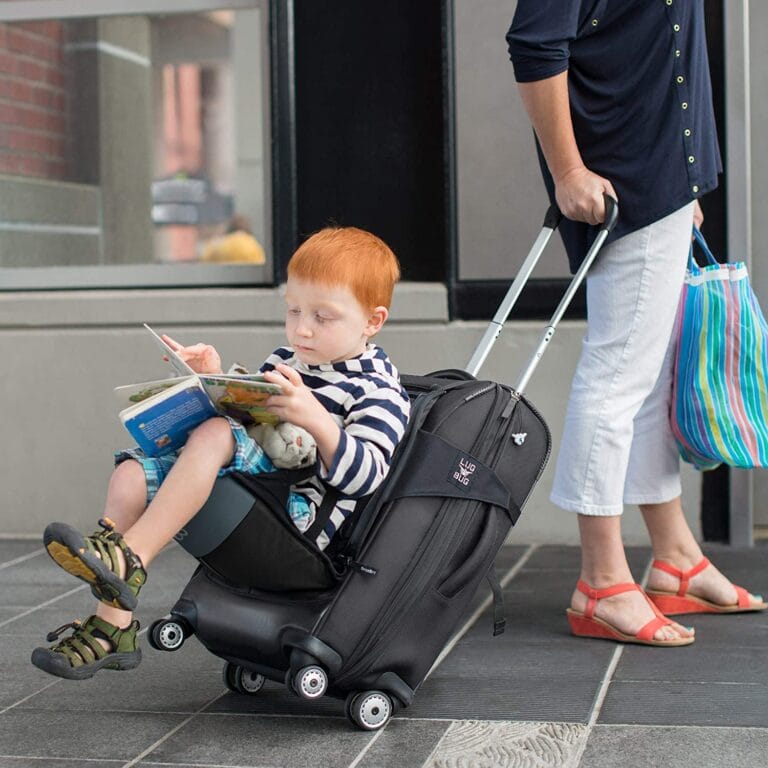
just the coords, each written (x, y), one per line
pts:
(459, 577)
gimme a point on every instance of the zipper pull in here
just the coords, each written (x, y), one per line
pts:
(513, 400)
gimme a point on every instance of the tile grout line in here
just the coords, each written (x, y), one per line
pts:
(425, 764)
(42, 605)
(365, 749)
(605, 684)
(508, 576)
(68, 759)
(21, 559)
(29, 696)
(152, 747)
(48, 758)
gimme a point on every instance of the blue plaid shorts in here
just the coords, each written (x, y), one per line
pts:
(249, 458)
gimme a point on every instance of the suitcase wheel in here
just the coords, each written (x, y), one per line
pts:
(369, 710)
(169, 633)
(242, 680)
(310, 682)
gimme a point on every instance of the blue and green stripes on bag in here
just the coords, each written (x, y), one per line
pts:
(720, 401)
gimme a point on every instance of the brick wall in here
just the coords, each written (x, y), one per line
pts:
(34, 135)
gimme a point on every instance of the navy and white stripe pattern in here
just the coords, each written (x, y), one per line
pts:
(365, 398)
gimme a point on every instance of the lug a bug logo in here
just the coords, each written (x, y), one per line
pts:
(462, 475)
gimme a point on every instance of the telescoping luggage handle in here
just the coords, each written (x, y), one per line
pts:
(551, 222)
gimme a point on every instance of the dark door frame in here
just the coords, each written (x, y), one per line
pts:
(474, 299)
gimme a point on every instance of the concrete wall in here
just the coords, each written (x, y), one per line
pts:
(67, 350)
(500, 194)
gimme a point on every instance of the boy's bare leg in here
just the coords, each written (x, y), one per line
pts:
(147, 529)
(126, 495)
(126, 502)
(673, 541)
(604, 564)
(185, 489)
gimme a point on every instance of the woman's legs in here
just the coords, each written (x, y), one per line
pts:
(632, 295)
(604, 564)
(673, 541)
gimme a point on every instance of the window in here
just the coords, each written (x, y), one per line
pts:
(134, 149)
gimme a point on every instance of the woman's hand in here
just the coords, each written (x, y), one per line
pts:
(698, 215)
(579, 195)
(201, 358)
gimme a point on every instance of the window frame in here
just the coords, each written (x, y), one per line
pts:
(149, 275)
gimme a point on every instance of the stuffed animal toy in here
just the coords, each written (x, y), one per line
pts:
(289, 446)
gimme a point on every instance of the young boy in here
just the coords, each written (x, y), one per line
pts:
(334, 383)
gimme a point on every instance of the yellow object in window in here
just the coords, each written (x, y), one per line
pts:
(238, 246)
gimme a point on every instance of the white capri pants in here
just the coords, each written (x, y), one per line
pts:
(617, 446)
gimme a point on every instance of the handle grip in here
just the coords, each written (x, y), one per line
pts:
(554, 216)
(611, 212)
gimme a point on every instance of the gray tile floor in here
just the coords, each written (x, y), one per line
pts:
(534, 697)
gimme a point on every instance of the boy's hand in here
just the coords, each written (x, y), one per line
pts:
(297, 405)
(201, 358)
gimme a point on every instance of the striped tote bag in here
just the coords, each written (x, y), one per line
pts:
(719, 410)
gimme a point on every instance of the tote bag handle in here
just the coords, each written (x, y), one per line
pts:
(698, 238)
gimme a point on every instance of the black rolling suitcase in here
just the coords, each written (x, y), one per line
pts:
(379, 606)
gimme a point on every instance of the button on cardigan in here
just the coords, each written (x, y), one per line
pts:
(640, 95)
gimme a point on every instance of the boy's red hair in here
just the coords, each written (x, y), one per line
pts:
(350, 257)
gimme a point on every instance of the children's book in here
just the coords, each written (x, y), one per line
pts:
(160, 414)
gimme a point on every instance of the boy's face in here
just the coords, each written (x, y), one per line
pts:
(327, 324)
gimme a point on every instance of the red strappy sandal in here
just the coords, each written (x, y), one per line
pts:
(588, 625)
(684, 602)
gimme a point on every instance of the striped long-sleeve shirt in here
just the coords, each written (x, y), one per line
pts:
(365, 398)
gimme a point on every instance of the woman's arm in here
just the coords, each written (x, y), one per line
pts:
(578, 191)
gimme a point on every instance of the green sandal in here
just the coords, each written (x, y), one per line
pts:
(81, 655)
(94, 560)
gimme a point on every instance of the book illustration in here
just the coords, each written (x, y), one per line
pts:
(240, 400)
(160, 414)
(143, 394)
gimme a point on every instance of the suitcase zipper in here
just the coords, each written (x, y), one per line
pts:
(393, 613)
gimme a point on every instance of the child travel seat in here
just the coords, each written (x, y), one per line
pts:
(244, 535)
(365, 619)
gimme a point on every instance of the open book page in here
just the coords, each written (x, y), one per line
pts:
(130, 394)
(173, 358)
(241, 396)
(162, 422)
(160, 414)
